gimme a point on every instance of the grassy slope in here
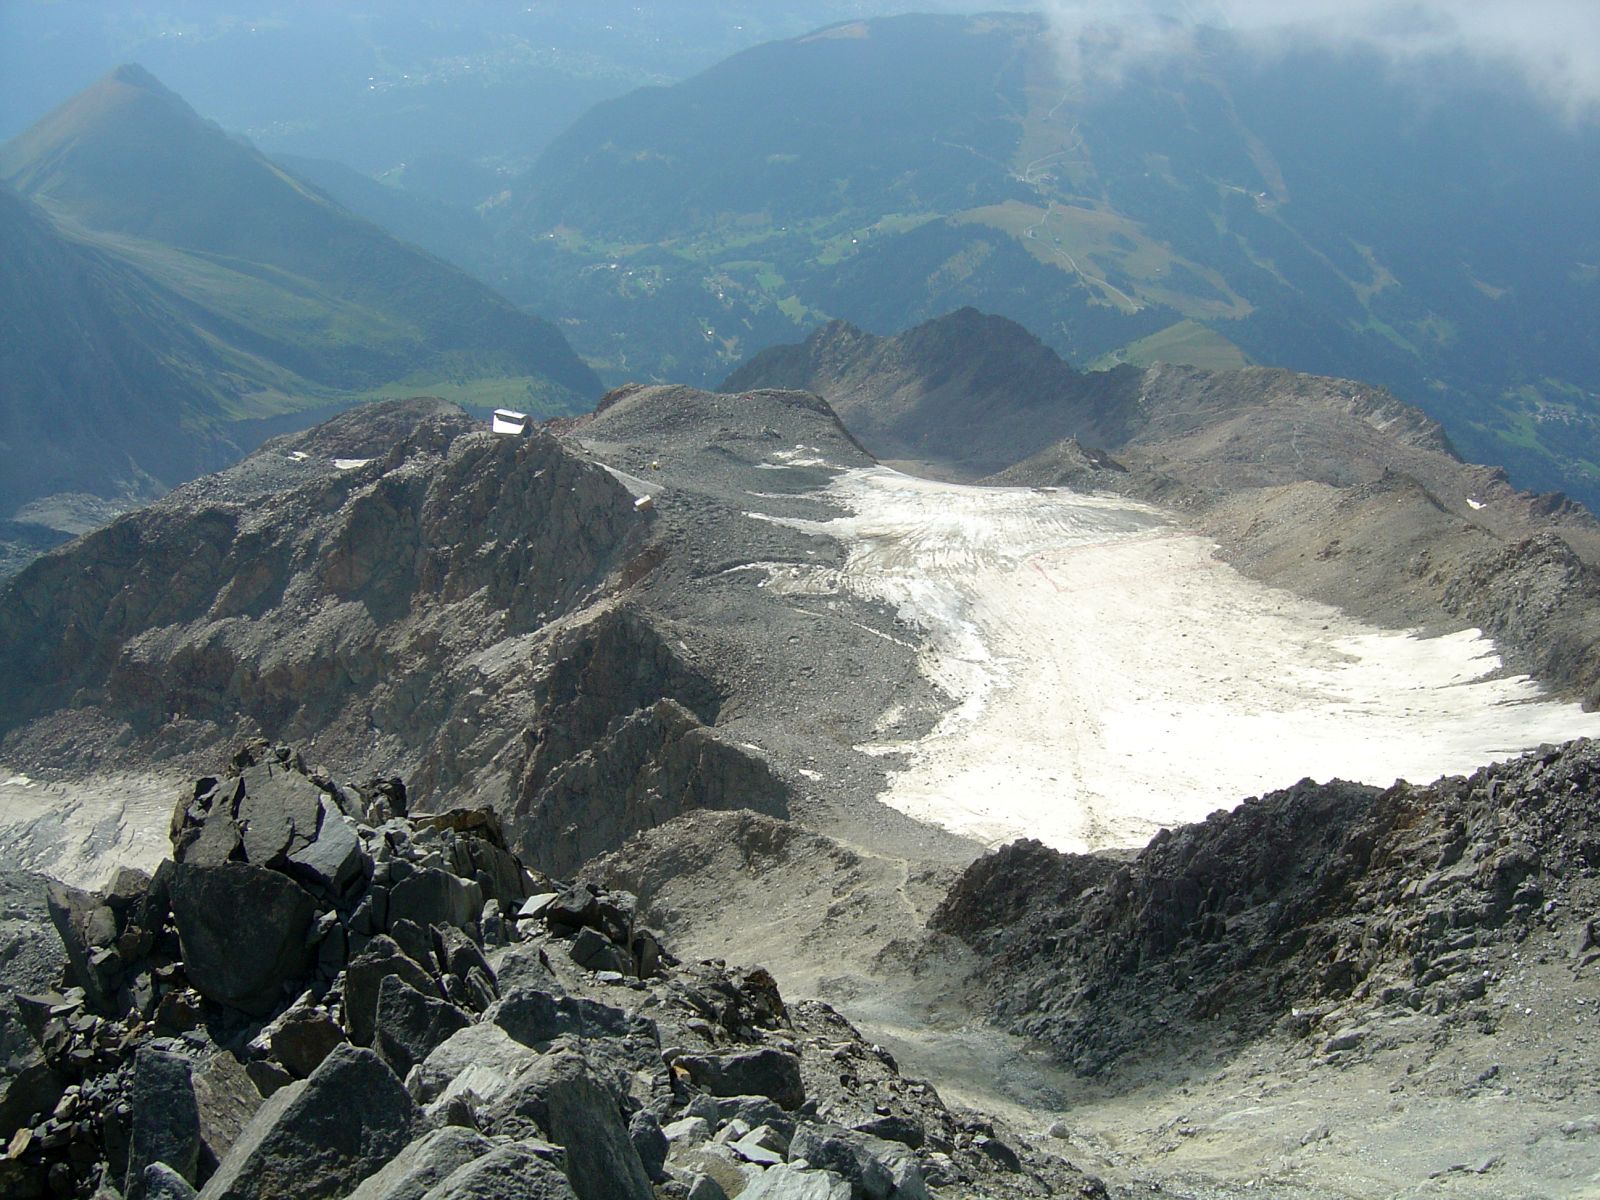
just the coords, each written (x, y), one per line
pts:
(236, 291)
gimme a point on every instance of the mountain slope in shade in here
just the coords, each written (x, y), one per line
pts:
(107, 385)
(256, 296)
(967, 394)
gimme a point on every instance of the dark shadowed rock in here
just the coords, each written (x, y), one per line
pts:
(335, 860)
(593, 951)
(654, 765)
(514, 1172)
(410, 1025)
(322, 1136)
(161, 1182)
(774, 1074)
(28, 1084)
(365, 976)
(560, 1096)
(423, 1164)
(458, 954)
(243, 930)
(414, 943)
(534, 1017)
(847, 1155)
(644, 1130)
(166, 1119)
(892, 1128)
(435, 897)
(226, 1100)
(278, 813)
(302, 1037)
(88, 930)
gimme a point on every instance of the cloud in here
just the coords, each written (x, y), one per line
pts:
(1552, 44)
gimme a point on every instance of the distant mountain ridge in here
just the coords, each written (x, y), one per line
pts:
(1432, 231)
(213, 287)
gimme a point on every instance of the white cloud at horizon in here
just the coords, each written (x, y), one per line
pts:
(1553, 45)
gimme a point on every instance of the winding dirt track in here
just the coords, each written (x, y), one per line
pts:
(1109, 676)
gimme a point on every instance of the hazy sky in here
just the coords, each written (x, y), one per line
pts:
(1553, 44)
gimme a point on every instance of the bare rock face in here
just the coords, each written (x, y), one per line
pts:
(651, 766)
(321, 1137)
(1306, 899)
(287, 593)
(244, 931)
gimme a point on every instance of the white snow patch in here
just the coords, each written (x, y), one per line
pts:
(1110, 676)
(1474, 505)
(800, 456)
(350, 464)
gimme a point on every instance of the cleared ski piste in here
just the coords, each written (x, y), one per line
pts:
(1109, 676)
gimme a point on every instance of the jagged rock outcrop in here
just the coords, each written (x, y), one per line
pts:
(500, 1055)
(396, 585)
(1311, 910)
(649, 767)
(294, 594)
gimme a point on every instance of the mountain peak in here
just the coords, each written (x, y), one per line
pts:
(134, 75)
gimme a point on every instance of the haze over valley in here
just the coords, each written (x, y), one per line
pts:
(799, 599)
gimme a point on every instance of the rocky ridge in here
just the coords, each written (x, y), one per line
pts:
(397, 585)
(1335, 912)
(324, 994)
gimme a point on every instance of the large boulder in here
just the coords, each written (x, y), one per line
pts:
(244, 932)
(410, 1025)
(560, 1096)
(166, 1119)
(514, 1172)
(321, 1137)
(423, 1164)
(767, 1072)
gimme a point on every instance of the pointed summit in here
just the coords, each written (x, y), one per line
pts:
(128, 155)
(164, 271)
(136, 76)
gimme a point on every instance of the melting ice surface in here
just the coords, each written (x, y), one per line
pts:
(1109, 676)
